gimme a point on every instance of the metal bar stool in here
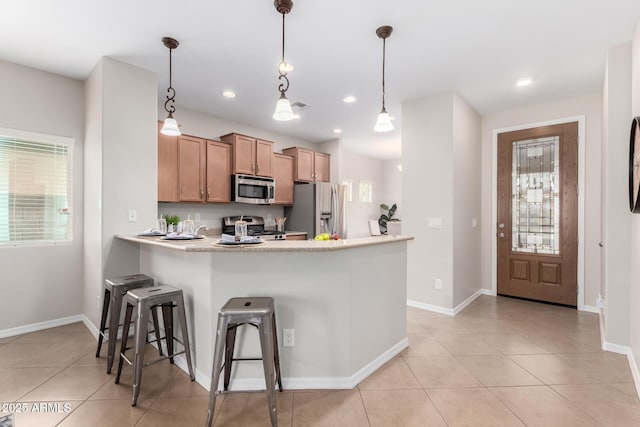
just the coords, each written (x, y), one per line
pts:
(114, 290)
(260, 313)
(144, 300)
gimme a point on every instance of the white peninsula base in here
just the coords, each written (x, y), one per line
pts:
(346, 305)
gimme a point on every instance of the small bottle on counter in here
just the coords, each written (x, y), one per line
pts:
(269, 223)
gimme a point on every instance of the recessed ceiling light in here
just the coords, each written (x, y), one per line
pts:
(229, 94)
(349, 99)
(336, 130)
(524, 82)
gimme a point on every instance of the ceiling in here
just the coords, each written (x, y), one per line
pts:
(477, 48)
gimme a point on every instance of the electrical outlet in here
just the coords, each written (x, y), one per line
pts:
(600, 303)
(98, 304)
(133, 215)
(197, 217)
(439, 284)
(288, 338)
(474, 223)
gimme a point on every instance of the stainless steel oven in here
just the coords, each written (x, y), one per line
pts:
(252, 189)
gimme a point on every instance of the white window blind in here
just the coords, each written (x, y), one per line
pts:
(34, 188)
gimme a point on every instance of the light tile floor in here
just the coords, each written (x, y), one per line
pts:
(500, 362)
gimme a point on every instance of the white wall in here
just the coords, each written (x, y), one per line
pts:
(392, 186)
(43, 283)
(634, 292)
(466, 200)
(359, 168)
(427, 191)
(123, 99)
(616, 219)
(591, 107)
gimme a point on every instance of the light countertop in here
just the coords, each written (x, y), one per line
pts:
(209, 244)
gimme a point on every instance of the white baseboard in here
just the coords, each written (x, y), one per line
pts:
(634, 370)
(445, 310)
(590, 309)
(33, 327)
(468, 301)
(429, 307)
(245, 384)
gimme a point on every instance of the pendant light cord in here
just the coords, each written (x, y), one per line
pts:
(283, 39)
(384, 50)
(171, 92)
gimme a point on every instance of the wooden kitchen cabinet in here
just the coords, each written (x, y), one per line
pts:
(309, 165)
(250, 156)
(322, 166)
(191, 168)
(218, 172)
(283, 177)
(167, 167)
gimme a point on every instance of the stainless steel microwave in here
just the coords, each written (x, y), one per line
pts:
(252, 189)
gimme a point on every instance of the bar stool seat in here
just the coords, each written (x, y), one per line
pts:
(115, 289)
(144, 300)
(260, 313)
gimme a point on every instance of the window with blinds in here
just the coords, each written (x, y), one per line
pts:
(35, 184)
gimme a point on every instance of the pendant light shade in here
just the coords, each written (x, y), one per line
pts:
(170, 126)
(283, 111)
(383, 124)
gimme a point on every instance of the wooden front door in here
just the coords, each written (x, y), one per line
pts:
(537, 229)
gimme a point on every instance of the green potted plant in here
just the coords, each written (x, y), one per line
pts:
(172, 222)
(386, 216)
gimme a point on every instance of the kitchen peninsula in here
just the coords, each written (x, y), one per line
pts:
(345, 300)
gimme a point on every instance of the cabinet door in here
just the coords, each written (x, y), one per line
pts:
(322, 167)
(191, 158)
(283, 176)
(218, 172)
(244, 155)
(167, 167)
(302, 163)
(264, 158)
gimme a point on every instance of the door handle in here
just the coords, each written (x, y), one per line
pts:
(501, 225)
(501, 235)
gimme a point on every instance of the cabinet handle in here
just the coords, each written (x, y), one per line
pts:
(208, 193)
(257, 168)
(253, 167)
(201, 193)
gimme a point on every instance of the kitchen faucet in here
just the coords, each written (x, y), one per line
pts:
(200, 227)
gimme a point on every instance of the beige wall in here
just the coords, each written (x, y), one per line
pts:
(616, 219)
(466, 200)
(121, 169)
(441, 179)
(634, 292)
(45, 282)
(427, 189)
(589, 106)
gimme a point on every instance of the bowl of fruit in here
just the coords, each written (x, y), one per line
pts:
(327, 236)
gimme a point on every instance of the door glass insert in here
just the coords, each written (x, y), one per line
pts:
(535, 207)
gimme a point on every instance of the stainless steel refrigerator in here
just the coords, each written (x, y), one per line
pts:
(318, 208)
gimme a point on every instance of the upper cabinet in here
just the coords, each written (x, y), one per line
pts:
(192, 169)
(218, 172)
(283, 177)
(250, 156)
(309, 165)
(167, 167)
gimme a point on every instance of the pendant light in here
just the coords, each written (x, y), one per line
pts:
(383, 124)
(283, 110)
(170, 126)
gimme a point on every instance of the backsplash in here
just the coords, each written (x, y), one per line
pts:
(211, 214)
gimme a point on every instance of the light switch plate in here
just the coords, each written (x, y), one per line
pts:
(133, 215)
(435, 222)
